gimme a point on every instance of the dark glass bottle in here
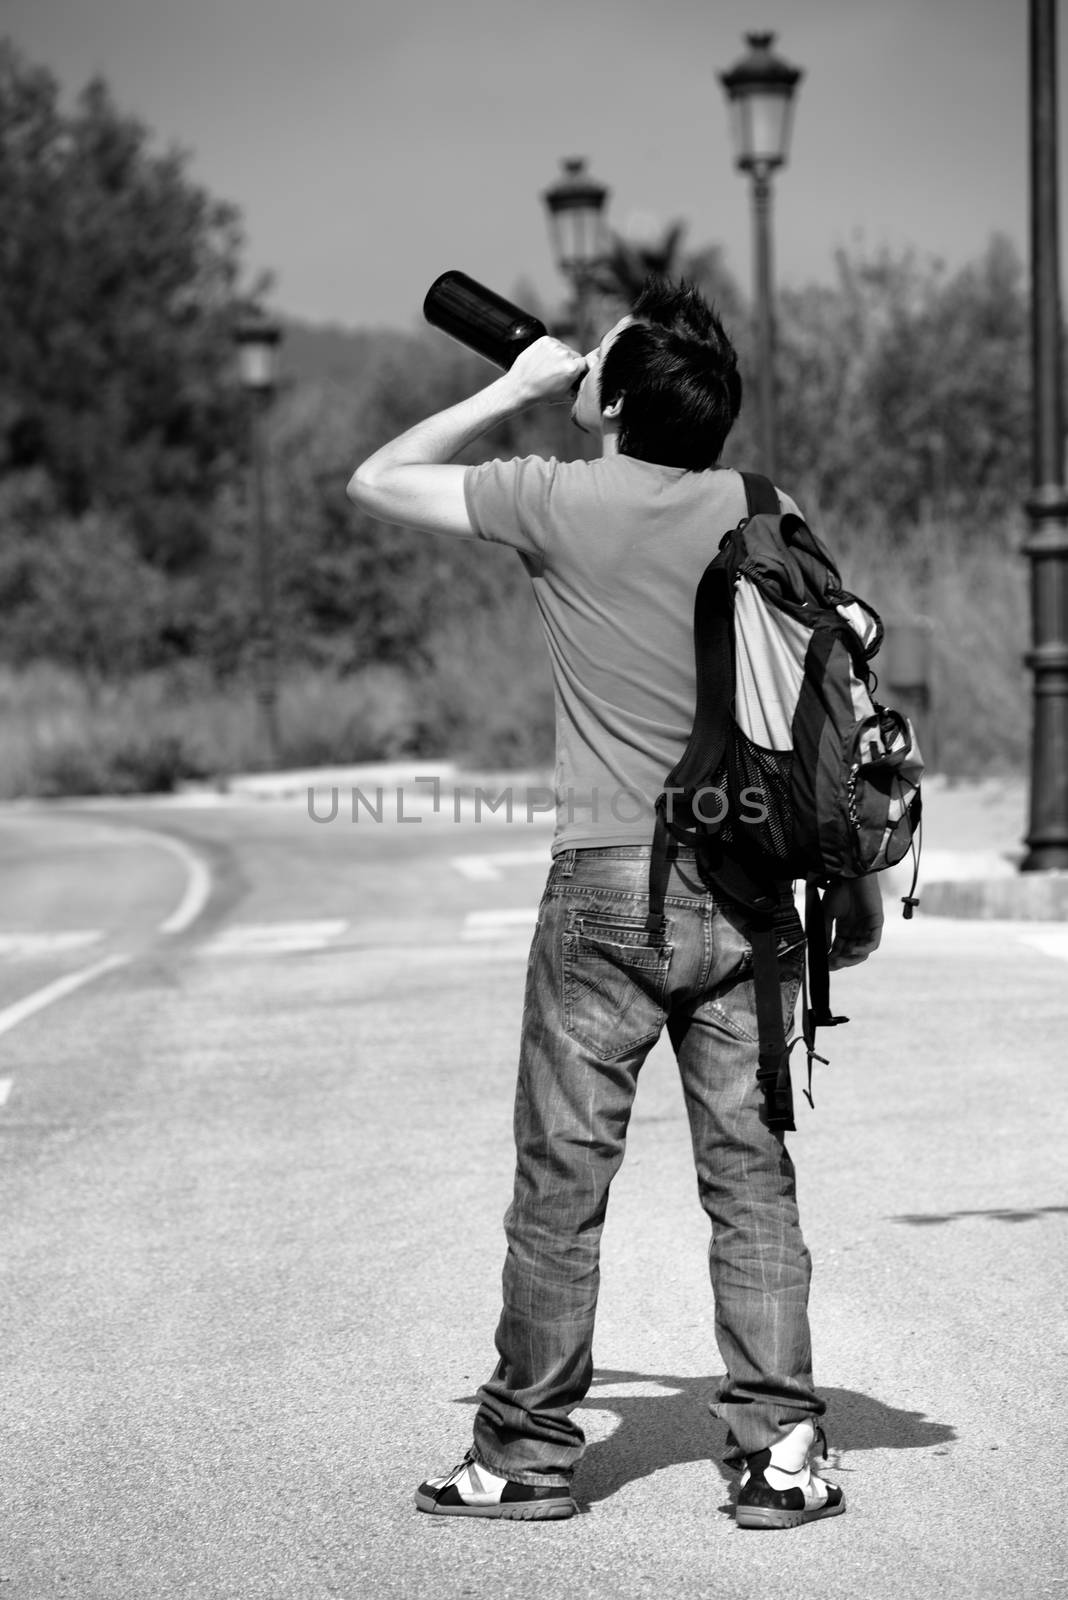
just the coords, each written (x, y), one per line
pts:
(485, 322)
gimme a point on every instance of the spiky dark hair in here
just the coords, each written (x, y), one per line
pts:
(676, 372)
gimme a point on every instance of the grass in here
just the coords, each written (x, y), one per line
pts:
(482, 695)
(63, 736)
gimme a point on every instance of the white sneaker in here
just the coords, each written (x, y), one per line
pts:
(472, 1490)
(779, 1489)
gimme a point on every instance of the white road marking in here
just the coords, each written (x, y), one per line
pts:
(30, 1004)
(197, 889)
(1051, 942)
(427, 957)
(30, 945)
(483, 950)
(198, 874)
(490, 868)
(5, 1090)
(493, 924)
(273, 938)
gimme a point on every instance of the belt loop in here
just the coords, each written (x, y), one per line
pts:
(566, 862)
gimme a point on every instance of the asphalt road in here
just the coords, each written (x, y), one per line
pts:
(254, 1135)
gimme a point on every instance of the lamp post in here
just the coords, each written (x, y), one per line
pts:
(257, 342)
(1047, 505)
(575, 203)
(760, 92)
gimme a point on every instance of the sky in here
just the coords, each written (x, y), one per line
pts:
(372, 144)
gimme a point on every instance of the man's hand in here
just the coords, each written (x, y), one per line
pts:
(547, 371)
(410, 479)
(853, 913)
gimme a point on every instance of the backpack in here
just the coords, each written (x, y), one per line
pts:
(792, 769)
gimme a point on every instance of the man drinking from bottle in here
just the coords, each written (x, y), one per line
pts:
(614, 548)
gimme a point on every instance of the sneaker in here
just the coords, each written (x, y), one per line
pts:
(779, 1489)
(472, 1490)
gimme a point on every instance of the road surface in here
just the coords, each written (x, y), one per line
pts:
(256, 1079)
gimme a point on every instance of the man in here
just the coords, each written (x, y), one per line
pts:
(615, 548)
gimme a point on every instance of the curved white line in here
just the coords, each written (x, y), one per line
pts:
(30, 1004)
(197, 889)
(199, 880)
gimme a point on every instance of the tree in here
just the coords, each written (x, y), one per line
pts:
(631, 261)
(903, 391)
(354, 590)
(118, 284)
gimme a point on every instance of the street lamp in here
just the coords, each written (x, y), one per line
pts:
(257, 341)
(575, 203)
(760, 93)
(1047, 505)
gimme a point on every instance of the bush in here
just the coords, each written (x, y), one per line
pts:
(480, 689)
(63, 737)
(486, 695)
(366, 716)
(116, 764)
(971, 582)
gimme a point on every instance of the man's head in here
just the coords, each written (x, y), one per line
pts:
(667, 378)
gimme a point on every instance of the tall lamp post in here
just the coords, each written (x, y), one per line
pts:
(575, 203)
(257, 341)
(760, 92)
(1047, 505)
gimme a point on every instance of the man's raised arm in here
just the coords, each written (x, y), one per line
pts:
(409, 481)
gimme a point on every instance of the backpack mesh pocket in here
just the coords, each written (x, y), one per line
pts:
(758, 782)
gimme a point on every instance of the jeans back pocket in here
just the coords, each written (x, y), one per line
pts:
(614, 982)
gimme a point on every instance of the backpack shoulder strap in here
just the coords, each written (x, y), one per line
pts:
(714, 657)
(714, 652)
(760, 495)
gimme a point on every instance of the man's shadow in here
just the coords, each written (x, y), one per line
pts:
(671, 1425)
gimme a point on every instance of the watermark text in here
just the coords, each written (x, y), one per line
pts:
(525, 805)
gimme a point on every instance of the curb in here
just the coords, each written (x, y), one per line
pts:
(297, 782)
(1023, 897)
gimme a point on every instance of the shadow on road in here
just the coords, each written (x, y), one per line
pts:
(671, 1425)
(932, 1219)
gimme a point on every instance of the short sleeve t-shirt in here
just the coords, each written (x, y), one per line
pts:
(615, 549)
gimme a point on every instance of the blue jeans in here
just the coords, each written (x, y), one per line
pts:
(598, 994)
